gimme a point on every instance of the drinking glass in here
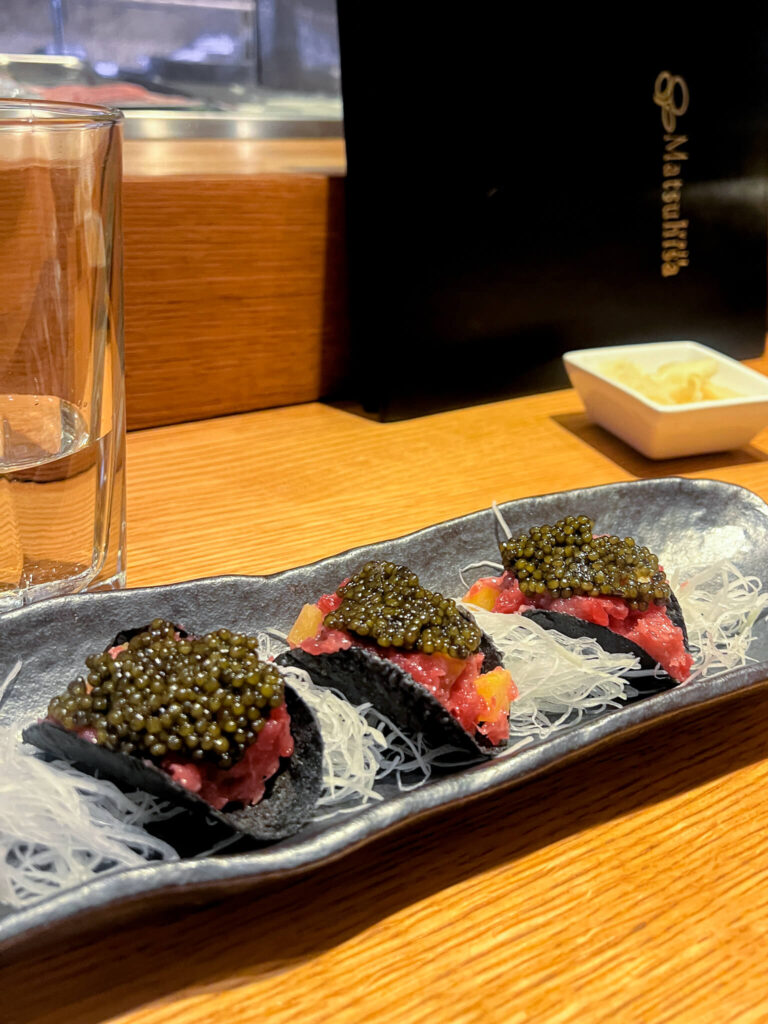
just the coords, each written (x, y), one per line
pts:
(62, 404)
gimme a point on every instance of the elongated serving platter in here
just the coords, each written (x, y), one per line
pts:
(704, 519)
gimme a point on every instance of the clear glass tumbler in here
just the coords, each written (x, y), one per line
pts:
(62, 394)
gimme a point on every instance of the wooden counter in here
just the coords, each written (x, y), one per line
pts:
(627, 886)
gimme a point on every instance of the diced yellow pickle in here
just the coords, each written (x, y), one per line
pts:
(497, 690)
(484, 597)
(307, 624)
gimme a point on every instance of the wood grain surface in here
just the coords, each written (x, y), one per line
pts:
(628, 885)
(235, 275)
(235, 293)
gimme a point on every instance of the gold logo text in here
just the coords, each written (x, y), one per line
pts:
(670, 92)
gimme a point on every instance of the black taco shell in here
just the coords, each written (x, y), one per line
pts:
(363, 677)
(570, 625)
(125, 635)
(287, 804)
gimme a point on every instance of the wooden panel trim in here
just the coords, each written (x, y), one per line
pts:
(235, 293)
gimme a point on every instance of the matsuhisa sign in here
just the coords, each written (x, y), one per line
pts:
(670, 93)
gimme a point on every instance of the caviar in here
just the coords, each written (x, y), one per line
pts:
(203, 698)
(567, 560)
(386, 603)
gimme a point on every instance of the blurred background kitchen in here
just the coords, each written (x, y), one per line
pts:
(248, 68)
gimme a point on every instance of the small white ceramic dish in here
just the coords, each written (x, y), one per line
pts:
(668, 431)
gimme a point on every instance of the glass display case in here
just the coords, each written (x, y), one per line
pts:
(225, 68)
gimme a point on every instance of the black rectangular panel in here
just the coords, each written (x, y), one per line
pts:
(522, 182)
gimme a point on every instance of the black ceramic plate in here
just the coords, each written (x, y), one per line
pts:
(707, 520)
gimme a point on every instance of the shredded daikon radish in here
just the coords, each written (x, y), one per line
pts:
(410, 759)
(360, 745)
(478, 565)
(350, 744)
(6, 684)
(501, 520)
(59, 828)
(720, 606)
(558, 678)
